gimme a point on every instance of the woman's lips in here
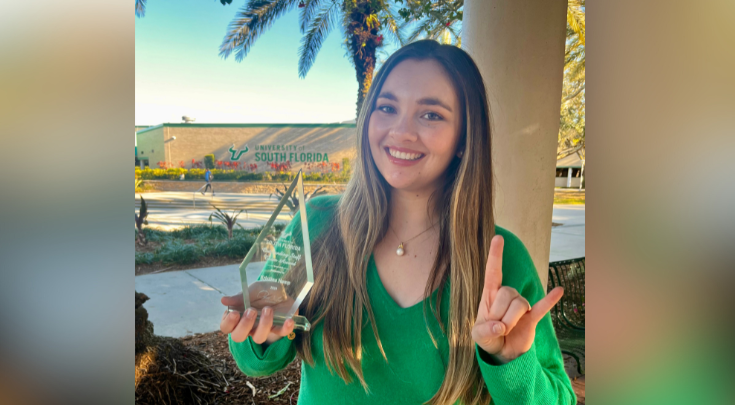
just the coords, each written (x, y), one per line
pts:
(402, 162)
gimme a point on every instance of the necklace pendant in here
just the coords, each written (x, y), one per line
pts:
(400, 251)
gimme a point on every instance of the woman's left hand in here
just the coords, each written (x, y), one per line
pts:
(506, 322)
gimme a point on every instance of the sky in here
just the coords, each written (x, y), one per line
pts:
(178, 70)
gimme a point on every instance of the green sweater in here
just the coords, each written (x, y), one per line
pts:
(415, 367)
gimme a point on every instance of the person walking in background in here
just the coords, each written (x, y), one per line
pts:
(208, 179)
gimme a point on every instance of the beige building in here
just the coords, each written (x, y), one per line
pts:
(569, 171)
(247, 144)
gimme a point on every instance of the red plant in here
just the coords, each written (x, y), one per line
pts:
(234, 165)
(448, 23)
(193, 163)
(165, 165)
(253, 167)
(227, 164)
(181, 164)
(219, 163)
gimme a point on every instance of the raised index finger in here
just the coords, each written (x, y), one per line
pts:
(494, 268)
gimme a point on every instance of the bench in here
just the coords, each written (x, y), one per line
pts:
(568, 314)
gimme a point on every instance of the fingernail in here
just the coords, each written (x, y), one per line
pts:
(267, 311)
(498, 329)
(250, 314)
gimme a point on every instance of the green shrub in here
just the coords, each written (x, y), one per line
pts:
(236, 247)
(238, 175)
(211, 241)
(209, 161)
(346, 168)
(178, 252)
(144, 258)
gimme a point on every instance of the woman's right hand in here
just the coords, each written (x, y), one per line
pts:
(240, 327)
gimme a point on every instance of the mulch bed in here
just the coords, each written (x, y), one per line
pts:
(214, 346)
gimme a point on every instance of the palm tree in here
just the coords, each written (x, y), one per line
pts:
(442, 20)
(572, 122)
(140, 7)
(439, 20)
(363, 24)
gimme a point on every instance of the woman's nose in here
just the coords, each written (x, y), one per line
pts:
(403, 129)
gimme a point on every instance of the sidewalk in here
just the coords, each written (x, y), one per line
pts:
(188, 301)
(567, 240)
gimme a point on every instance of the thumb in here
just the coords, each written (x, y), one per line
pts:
(232, 300)
(489, 336)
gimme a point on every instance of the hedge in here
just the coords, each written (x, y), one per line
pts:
(209, 161)
(211, 241)
(237, 175)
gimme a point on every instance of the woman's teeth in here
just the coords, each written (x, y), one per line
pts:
(403, 155)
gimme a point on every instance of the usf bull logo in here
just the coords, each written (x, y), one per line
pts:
(237, 154)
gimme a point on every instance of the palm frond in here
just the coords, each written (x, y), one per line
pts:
(347, 37)
(250, 22)
(392, 27)
(313, 40)
(307, 14)
(140, 8)
(423, 27)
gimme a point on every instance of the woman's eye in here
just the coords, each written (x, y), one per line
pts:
(386, 109)
(433, 116)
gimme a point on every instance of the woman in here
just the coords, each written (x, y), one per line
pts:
(418, 296)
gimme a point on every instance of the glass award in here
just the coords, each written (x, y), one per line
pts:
(283, 264)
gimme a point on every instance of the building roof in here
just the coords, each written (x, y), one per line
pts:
(193, 125)
(572, 161)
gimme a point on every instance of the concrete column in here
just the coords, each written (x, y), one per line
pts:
(569, 177)
(519, 48)
(581, 176)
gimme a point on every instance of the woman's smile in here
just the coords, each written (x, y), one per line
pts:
(414, 128)
(403, 156)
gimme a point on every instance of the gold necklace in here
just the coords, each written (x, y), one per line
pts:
(400, 251)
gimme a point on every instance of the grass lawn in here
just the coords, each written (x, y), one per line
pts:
(568, 196)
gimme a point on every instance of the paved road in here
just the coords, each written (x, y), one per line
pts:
(186, 302)
(183, 212)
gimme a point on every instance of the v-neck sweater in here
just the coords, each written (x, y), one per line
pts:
(415, 368)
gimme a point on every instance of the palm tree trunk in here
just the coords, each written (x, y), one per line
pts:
(363, 42)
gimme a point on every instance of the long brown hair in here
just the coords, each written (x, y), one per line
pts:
(465, 208)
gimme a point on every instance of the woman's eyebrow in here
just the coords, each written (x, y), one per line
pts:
(423, 101)
(388, 95)
(434, 101)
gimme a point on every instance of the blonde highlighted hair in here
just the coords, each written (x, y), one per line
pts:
(465, 207)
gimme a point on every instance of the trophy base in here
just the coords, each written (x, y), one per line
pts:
(300, 323)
